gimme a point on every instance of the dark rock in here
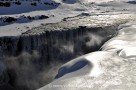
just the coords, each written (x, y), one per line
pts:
(43, 17)
(5, 4)
(9, 19)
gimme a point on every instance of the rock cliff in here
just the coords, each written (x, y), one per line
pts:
(33, 52)
(111, 68)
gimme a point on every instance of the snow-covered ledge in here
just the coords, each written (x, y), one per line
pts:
(112, 68)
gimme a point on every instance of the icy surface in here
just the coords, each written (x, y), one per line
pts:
(112, 68)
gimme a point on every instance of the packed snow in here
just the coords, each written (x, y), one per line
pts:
(112, 68)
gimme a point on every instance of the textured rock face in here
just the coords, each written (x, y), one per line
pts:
(4, 78)
(61, 41)
(58, 45)
(112, 68)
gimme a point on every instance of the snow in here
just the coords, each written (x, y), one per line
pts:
(84, 65)
(124, 42)
(69, 1)
(106, 67)
(112, 68)
(60, 10)
(24, 8)
(57, 13)
(128, 52)
(100, 1)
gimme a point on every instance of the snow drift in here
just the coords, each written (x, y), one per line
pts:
(112, 68)
(39, 52)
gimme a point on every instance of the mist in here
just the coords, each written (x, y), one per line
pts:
(26, 73)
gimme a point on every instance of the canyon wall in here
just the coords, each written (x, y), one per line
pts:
(33, 59)
(61, 45)
(113, 68)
